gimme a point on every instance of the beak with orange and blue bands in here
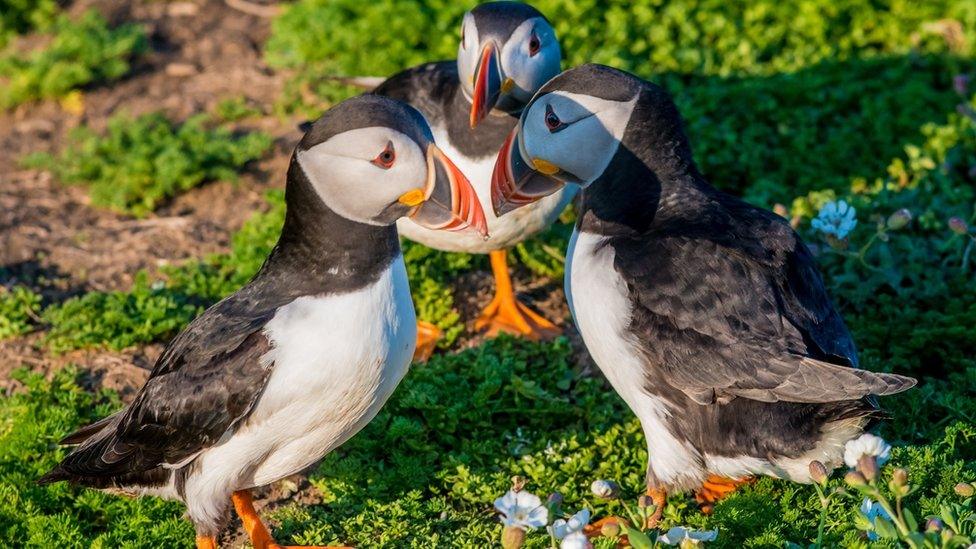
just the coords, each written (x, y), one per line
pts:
(488, 83)
(448, 202)
(518, 180)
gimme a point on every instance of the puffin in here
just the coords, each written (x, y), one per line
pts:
(507, 51)
(707, 315)
(266, 382)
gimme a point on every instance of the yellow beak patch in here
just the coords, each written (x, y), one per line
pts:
(412, 197)
(544, 166)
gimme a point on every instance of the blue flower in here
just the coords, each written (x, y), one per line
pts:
(836, 219)
(873, 510)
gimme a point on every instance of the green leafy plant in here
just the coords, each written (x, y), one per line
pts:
(141, 162)
(22, 16)
(19, 308)
(81, 52)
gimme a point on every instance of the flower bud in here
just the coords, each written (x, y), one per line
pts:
(958, 225)
(512, 537)
(818, 472)
(899, 477)
(868, 466)
(781, 210)
(554, 499)
(854, 478)
(646, 502)
(934, 524)
(517, 483)
(965, 489)
(899, 219)
(605, 489)
(610, 529)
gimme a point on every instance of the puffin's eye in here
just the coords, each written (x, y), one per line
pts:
(386, 158)
(552, 121)
(534, 44)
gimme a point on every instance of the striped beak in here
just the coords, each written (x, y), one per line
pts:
(487, 84)
(515, 182)
(450, 202)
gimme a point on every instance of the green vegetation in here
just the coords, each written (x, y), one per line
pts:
(19, 307)
(141, 162)
(80, 52)
(31, 423)
(21, 16)
(237, 108)
(798, 103)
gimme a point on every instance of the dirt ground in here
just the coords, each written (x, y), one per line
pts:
(54, 241)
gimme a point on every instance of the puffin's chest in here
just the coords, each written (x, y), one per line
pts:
(351, 348)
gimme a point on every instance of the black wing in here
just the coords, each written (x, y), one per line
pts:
(726, 315)
(205, 382)
(426, 87)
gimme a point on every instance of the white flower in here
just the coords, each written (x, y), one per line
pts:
(836, 219)
(866, 444)
(677, 535)
(563, 528)
(522, 510)
(872, 510)
(576, 540)
(605, 489)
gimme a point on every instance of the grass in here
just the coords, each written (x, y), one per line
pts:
(80, 52)
(794, 102)
(19, 307)
(139, 163)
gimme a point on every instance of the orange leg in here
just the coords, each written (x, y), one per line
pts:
(206, 542)
(658, 496)
(260, 537)
(505, 313)
(716, 488)
(427, 337)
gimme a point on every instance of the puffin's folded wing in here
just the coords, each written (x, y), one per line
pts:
(205, 382)
(718, 318)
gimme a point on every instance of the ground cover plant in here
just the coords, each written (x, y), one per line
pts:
(140, 162)
(80, 52)
(857, 119)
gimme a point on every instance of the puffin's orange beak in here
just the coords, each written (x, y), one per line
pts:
(516, 183)
(487, 84)
(450, 202)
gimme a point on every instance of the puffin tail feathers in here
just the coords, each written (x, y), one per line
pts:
(86, 432)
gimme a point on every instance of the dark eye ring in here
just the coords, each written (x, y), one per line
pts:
(553, 123)
(534, 44)
(386, 158)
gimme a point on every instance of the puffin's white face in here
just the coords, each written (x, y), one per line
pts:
(505, 75)
(562, 138)
(578, 134)
(376, 175)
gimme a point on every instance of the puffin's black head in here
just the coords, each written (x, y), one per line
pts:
(507, 51)
(572, 130)
(372, 159)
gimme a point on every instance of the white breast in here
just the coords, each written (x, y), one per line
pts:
(505, 231)
(337, 358)
(601, 308)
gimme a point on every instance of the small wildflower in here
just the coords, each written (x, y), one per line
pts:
(868, 466)
(965, 489)
(836, 219)
(899, 219)
(899, 477)
(818, 472)
(866, 444)
(646, 502)
(958, 225)
(512, 537)
(610, 529)
(872, 510)
(605, 489)
(555, 499)
(561, 528)
(576, 540)
(854, 478)
(934, 524)
(522, 510)
(683, 536)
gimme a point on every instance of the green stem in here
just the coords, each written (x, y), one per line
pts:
(824, 504)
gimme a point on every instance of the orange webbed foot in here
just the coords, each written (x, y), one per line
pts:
(256, 530)
(427, 337)
(716, 488)
(505, 314)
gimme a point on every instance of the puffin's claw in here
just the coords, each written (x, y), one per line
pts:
(256, 530)
(716, 488)
(427, 337)
(505, 314)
